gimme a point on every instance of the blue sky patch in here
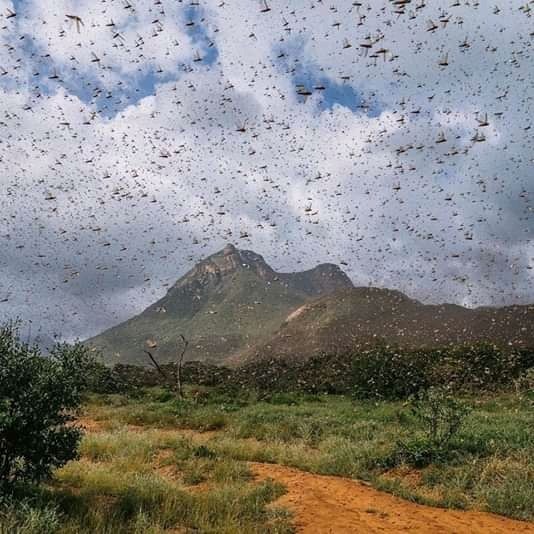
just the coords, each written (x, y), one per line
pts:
(307, 76)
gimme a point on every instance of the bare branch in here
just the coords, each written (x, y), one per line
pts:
(186, 343)
(179, 367)
(156, 365)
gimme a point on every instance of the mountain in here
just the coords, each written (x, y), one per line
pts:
(227, 304)
(361, 317)
(234, 308)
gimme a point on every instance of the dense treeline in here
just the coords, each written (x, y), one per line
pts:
(381, 372)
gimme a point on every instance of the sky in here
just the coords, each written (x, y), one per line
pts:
(137, 137)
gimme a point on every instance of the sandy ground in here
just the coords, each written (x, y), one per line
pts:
(325, 504)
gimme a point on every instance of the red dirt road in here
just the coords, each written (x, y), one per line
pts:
(333, 505)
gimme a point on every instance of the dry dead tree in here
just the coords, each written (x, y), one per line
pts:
(176, 374)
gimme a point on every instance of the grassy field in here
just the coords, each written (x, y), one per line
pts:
(154, 464)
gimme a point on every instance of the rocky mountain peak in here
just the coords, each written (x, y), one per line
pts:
(210, 272)
(231, 259)
(229, 249)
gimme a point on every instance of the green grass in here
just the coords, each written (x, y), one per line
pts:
(143, 480)
(139, 473)
(338, 436)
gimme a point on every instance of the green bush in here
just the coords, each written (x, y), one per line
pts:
(380, 372)
(524, 384)
(441, 417)
(37, 397)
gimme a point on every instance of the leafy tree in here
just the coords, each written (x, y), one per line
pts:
(38, 395)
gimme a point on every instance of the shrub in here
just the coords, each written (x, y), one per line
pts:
(441, 416)
(37, 396)
(524, 384)
(381, 372)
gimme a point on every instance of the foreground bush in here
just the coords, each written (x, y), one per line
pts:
(37, 397)
(441, 417)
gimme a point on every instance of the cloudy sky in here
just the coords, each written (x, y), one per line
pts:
(137, 137)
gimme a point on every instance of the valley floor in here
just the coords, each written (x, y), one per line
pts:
(217, 464)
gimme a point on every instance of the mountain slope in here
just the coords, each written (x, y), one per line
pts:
(234, 308)
(360, 317)
(225, 305)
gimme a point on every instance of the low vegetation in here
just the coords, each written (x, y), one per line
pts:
(153, 463)
(150, 462)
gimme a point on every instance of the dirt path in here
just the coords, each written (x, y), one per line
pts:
(325, 504)
(334, 505)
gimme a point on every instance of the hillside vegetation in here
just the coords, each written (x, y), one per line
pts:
(381, 372)
(360, 318)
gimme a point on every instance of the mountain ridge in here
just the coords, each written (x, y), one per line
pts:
(234, 308)
(364, 316)
(235, 283)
